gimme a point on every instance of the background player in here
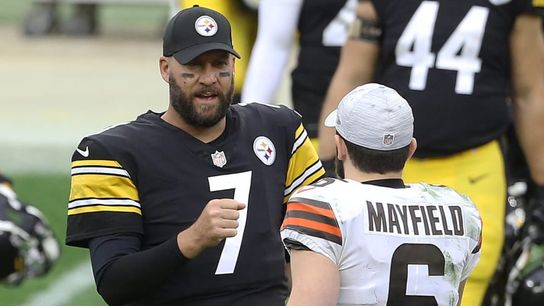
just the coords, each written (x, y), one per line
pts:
(456, 63)
(376, 240)
(28, 247)
(182, 207)
(322, 27)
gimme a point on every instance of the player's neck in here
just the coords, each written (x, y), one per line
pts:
(357, 175)
(204, 134)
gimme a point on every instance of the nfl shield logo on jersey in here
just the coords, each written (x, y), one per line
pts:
(388, 139)
(265, 150)
(219, 159)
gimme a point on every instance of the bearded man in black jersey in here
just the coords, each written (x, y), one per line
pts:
(184, 207)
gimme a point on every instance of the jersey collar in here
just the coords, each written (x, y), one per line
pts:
(391, 183)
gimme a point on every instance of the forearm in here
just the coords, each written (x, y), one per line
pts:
(122, 277)
(356, 67)
(529, 117)
(528, 82)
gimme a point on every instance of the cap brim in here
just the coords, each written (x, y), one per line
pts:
(188, 54)
(330, 121)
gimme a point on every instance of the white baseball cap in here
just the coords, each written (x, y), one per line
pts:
(373, 116)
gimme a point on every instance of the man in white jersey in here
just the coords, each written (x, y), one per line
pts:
(370, 239)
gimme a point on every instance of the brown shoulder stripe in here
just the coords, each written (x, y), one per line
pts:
(314, 218)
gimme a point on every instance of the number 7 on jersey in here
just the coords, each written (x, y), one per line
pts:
(241, 183)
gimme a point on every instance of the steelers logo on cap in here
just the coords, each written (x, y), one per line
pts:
(206, 26)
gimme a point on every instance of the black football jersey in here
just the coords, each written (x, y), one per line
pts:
(451, 61)
(153, 179)
(323, 28)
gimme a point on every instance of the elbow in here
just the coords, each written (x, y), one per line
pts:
(110, 298)
(111, 295)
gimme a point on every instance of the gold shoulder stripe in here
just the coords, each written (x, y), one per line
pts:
(96, 162)
(104, 208)
(102, 186)
(299, 131)
(311, 175)
(304, 157)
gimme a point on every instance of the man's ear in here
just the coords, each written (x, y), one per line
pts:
(341, 148)
(164, 68)
(412, 148)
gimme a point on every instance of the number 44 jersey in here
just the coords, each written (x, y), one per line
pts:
(451, 60)
(392, 246)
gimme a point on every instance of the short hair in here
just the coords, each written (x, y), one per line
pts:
(376, 161)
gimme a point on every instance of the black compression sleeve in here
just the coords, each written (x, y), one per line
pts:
(123, 273)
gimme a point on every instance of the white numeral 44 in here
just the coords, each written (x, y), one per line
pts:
(460, 52)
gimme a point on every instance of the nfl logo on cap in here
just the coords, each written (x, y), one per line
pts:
(388, 139)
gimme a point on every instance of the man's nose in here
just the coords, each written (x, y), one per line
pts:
(209, 75)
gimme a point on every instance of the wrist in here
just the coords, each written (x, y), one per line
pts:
(188, 245)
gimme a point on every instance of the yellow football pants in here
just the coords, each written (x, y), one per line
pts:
(478, 173)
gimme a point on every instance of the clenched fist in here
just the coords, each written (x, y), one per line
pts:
(218, 220)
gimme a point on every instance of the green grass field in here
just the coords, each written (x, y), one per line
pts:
(50, 194)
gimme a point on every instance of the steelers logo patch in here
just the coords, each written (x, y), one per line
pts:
(206, 26)
(265, 150)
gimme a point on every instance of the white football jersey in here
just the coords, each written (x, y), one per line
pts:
(392, 246)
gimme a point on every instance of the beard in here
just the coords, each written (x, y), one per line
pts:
(184, 105)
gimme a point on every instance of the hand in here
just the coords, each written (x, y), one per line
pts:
(218, 220)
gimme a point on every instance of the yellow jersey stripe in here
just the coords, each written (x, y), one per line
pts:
(103, 208)
(299, 131)
(312, 174)
(303, 158)
(96, 162)
(102, 186)
(299, 141)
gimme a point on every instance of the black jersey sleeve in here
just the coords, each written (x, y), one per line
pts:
(124, 273)
(103, 196)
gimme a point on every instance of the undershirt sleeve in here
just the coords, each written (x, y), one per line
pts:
(123, 272)
(275, 37)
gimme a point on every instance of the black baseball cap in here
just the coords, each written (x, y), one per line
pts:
(196, 30)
